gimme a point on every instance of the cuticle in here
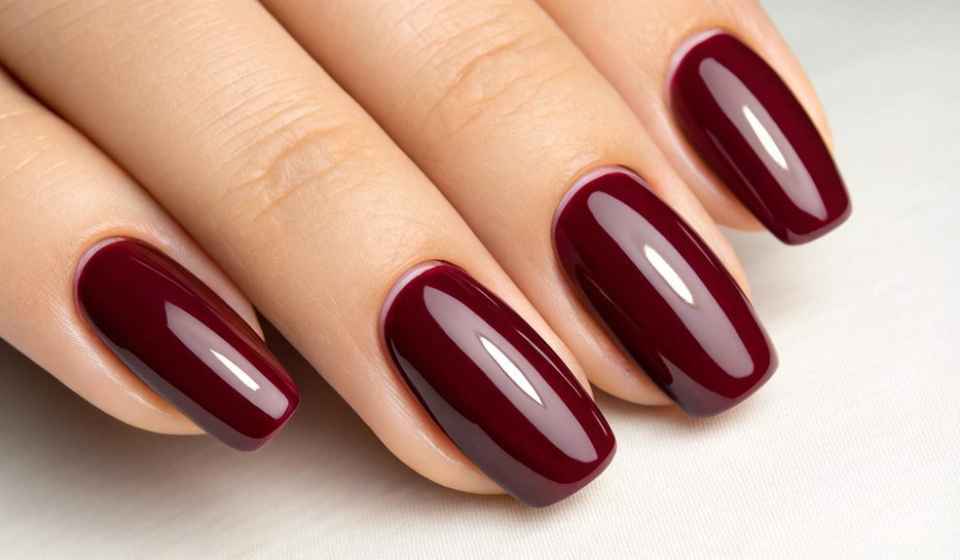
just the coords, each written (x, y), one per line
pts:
(585, 179)
(92, 250)
(681, 51)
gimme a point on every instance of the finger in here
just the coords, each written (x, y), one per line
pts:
(316, 214)
(65, 207)
(505, 115)
(739, 119)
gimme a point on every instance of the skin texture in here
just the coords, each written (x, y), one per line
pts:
(223, 123)
(514, 88)
(296, 187)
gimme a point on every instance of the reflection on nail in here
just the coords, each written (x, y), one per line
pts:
(747, 125)
(661, 292)
(511, 369)
(668, 274)
(494, 386)
(184, 342)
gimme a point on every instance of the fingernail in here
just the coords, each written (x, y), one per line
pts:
(185, 342)
(661, 292)
(751, 130)
(494, 386)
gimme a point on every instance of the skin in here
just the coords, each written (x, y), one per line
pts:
(309, 162)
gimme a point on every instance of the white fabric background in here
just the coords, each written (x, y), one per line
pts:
(852, 450)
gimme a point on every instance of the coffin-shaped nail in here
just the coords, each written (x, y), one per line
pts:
(662, 294)
(493, 385)
(752, 131)
(185, 342)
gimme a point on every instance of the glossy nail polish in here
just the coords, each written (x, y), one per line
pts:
(185, 342)
(661, 292)
(749, 128)
(494, 386)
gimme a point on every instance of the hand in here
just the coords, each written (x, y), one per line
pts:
(176, 163)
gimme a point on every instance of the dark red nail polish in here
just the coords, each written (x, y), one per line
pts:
(751, 130)
(185, 342)
(661, 292)
(494, 386)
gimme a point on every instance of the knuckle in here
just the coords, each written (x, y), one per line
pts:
(494, 62)
(293, 157)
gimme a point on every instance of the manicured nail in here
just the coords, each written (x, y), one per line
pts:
(751, 130)
(185, 342)
(494, 386)
(661, 292)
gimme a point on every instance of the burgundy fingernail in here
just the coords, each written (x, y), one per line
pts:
(661, 292)
(494, 386)
(185, 343)
(751, 130)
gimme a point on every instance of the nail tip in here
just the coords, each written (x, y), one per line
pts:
(721, 405)
(795, 239)
(561, 492)
(249, 444)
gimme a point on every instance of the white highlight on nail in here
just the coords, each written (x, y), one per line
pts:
(511, 369)
(226, 362)
(766, 140)
(235, 369)
(667, 272)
